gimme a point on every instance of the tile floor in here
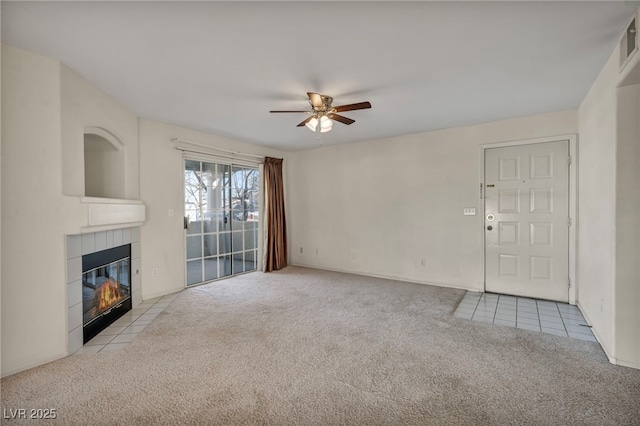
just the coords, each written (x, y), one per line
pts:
(543, 316)
(119, 334)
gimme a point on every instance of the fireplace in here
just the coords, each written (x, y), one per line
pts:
(106, 288)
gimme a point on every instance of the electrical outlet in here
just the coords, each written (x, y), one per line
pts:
(170, 212)
(301, 250)
(154, 272)
(354, 255)
(469, 211)
(423, 263)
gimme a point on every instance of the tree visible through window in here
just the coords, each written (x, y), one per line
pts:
(222, 207)
(244, 194)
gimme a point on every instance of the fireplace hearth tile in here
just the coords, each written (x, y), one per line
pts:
(74, 246)
(94, 349)
(135, 234)
(124, 330)
(88, 243)
(75, 339)
(74, 269)
(135, 296)
(101, 241)
(114, 347)
(109, 235)
(131, 316)
(74, 316)
(112, 330)
(117, 237)
(122, 322)
(124, 338)
(135, 268)
(135, 249)
(149, 317)
(74, 293)
(100, 340)
(126, 236)
(134, 329)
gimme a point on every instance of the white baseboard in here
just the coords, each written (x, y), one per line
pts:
(607, 351)
(388, 277)
(33, 364)
(628, 364)
(159, 294)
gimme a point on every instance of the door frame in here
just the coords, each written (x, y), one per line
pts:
(573, 188)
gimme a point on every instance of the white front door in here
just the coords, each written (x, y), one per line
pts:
(526, 221)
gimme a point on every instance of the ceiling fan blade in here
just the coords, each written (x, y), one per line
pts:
(305, 121)
(351, 107)
(288, 111)
(316, 100)
(341, 119)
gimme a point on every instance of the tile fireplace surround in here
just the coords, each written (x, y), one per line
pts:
(78, 246)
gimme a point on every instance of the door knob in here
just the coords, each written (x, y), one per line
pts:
(489, 228)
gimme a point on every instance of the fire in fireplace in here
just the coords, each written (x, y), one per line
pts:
(106, 288)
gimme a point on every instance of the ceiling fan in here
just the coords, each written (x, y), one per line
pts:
(322, 114)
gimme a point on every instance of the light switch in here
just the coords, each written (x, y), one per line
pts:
(470, 211)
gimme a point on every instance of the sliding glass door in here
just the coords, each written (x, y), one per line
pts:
(221, 220)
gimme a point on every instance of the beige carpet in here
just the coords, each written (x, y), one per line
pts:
(309, 347)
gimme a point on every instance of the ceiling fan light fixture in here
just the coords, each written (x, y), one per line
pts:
(312, 124)
(326, 124)
(323, 114)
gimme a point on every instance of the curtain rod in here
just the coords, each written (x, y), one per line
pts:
(179, 140)
(234, 159)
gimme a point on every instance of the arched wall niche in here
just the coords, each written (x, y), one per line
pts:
(104, 160)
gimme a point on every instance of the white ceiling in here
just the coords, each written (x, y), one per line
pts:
(220, 67)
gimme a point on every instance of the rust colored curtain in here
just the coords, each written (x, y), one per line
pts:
(275, 225)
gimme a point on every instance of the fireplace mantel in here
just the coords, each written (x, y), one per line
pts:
(94, 214)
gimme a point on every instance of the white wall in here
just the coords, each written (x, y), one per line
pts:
(34, 316)
(609, 201)
(161, 171)
(84, 105)
(378, 207)
(596, 204)
(627, 289)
